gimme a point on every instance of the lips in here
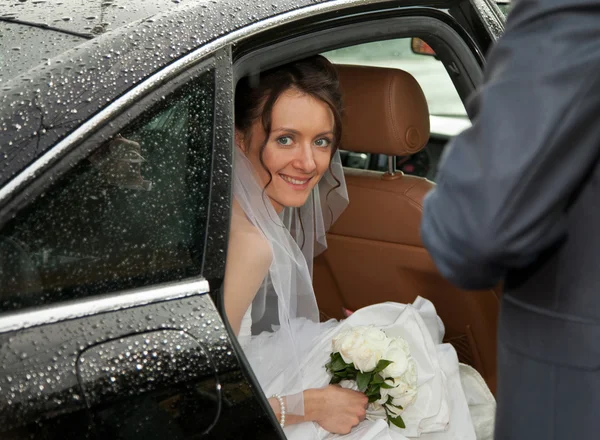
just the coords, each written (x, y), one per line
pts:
(295, 182)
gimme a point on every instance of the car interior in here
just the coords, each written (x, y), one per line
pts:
(374, 252)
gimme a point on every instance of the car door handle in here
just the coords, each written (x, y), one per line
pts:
(161, 375)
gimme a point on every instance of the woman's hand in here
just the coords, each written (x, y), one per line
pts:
(335, 409)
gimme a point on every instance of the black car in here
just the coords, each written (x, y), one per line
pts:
(116, 135)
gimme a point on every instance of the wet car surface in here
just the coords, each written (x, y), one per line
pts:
(112, 262)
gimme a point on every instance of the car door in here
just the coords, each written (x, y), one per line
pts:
(111, 257)
(107, 326)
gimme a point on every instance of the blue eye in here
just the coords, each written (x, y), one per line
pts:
(284, 140)
(323, 142)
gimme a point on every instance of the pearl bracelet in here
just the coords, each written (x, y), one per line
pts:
(282, 406)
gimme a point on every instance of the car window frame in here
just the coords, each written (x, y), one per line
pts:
(89, 142)
(449, 44)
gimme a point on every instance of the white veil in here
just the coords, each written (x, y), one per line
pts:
(309, 224)
(286, 300)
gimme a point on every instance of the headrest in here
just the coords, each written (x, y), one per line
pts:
(385, 111)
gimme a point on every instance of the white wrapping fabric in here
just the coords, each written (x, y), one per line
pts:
(453, 401)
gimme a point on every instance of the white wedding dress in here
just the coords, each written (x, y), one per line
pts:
(288, 348)
(453, 401)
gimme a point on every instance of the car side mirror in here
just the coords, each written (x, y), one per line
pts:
(419, 47)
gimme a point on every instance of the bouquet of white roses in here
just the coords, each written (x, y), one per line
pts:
(381, 367)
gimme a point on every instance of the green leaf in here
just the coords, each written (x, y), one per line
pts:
(335, 379)
(396, 406)
(397, 421)
(362, 380)
(338, 364)
(386, 386)
(389, 403)
(374, 398)
(333, 358)
(377, 379)
(372, 390)
(351, 374)
(374, 386)
(381, 365)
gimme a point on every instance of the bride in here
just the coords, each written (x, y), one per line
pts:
(288, 189)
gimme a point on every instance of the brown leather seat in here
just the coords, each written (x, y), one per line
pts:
(374, 249)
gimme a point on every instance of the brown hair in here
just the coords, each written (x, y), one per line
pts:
(314, 76)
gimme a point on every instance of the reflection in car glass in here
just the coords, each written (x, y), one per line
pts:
(126, 216)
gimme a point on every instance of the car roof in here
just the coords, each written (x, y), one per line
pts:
(32, 32)
(45, 104)
(90, 17)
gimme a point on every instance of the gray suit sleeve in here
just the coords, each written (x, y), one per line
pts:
(504, 185)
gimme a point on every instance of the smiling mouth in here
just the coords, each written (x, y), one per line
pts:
(295, 182)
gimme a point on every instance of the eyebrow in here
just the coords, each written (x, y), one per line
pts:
(291, 130)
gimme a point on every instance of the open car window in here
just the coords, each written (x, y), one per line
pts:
(430, 73)
(448, 116)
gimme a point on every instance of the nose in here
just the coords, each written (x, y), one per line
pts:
(305, 160)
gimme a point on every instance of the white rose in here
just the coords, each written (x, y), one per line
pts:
(399, 353)
(384, 395)
(362, 346)
(399, 400)
(404, 389)
(394, 412)
(345, 343)
(402, 395)
(406, 398)
(385, 392)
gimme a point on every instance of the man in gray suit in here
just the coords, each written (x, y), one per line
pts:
(518, 199)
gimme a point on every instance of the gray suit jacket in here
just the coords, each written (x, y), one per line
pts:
(518, 199)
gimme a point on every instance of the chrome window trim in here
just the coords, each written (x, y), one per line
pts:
(47, 159)
(488, 12)
(102, 303)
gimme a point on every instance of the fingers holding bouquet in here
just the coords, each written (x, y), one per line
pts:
(338, 409)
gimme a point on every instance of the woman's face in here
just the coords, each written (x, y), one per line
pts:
(298, 149)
